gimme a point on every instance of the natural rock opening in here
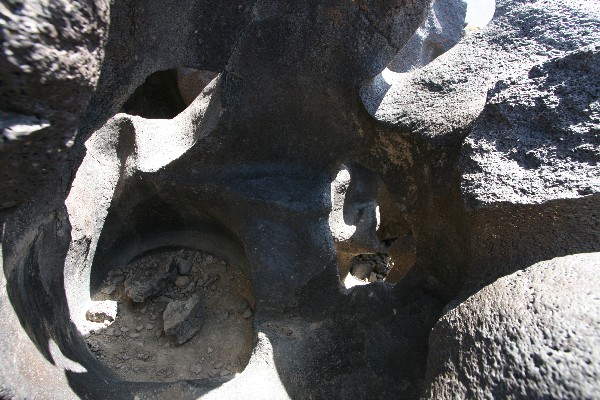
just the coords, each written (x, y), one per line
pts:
(165, 94)
(373, 239)
(479, 14)
(295, 163)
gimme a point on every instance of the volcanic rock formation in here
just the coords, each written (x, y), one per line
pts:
(270, 134)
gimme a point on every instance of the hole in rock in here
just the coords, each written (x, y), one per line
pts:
(173, 314)
(164, 94)
(374, 241)
(444, 26)
(388, 267)
(479, 13)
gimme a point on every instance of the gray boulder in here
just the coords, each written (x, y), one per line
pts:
(537, 138)
(50, 55)
(518, 100)
(532, 334)
(183, 318)
(150, 278)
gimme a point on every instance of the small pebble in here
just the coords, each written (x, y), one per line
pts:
(196, 368)
(224, 373)
(149, 327)
(124, 329)
(184, 266)
(209, 350)
(134, 335)
(108, 289)
(139, 328)
(247, 314)
(219, 364)
(182, 281)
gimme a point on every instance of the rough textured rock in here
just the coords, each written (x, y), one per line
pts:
(183, 318)
(247, 171)
(425, 101)
(442, 29)
(244, 171)
(150, 278)
(50, 55)
(532, 334)
(537, 138)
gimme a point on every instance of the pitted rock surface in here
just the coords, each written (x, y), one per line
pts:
(246, 167)
(532, 334)
(50, 56)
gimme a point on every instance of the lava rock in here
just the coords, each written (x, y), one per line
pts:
(101, 311)
(183, 266)
(183, 318)
(247, 314)
(182, 281)
(544, 131)
(532, 334)
(139, 285)
(49, 64)
(196, 368)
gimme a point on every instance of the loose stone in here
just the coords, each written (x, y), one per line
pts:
(196, 368)
(183, 318)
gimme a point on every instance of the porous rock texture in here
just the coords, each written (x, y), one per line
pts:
(532, 334)
(50, 56)
(278, 166)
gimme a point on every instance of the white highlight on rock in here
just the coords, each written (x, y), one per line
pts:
(63, 362)
(339, 229)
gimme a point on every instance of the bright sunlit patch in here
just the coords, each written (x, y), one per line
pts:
(99, 315)
(479, 13)
(63, 362)
(339, 229)
(350, 281)
(390, 77)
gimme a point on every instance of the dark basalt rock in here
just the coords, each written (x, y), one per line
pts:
(532, 334)
(298, 156)
(183, 318)
(50, 56)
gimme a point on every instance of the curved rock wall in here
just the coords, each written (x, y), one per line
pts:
(483, 162)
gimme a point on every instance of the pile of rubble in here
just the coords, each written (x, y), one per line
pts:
(182, 306)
